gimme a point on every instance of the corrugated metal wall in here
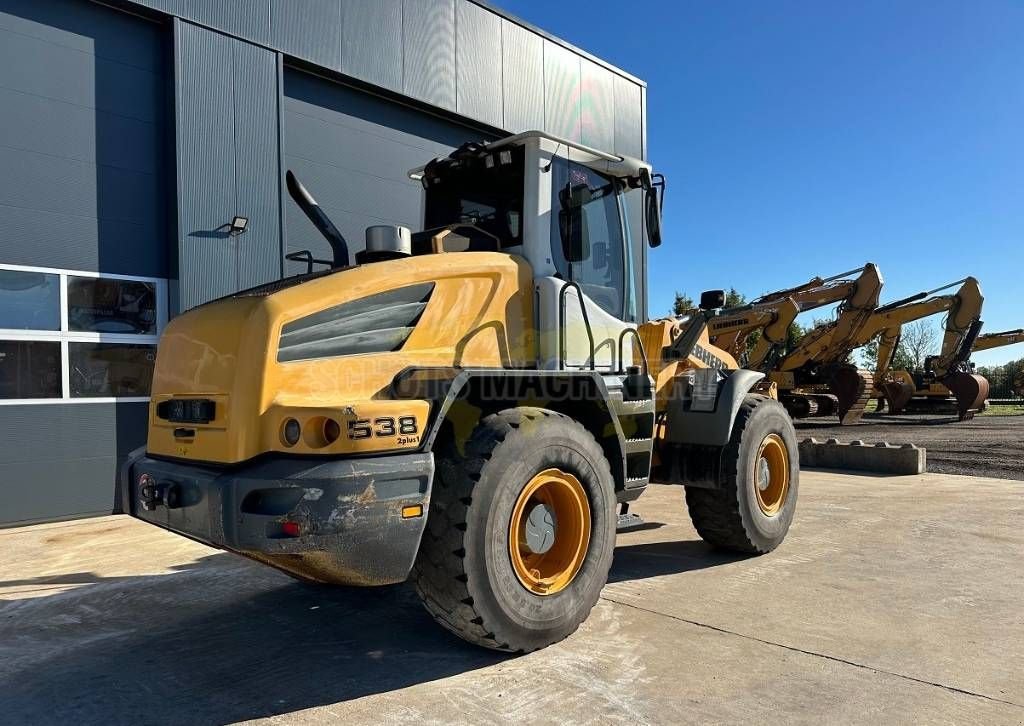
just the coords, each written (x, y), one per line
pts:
(81, 138)
(84, 187)
(458, 55)
(353, 151)
(226, 111)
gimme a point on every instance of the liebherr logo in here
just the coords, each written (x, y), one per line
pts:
(708, 358)
(726, 324)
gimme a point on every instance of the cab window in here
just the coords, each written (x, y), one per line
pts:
(587, 243)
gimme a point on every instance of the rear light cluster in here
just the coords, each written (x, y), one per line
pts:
(317, 432)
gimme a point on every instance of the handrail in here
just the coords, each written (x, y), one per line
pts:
(561, 325)
(640, 344)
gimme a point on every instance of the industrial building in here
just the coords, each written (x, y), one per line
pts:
(144, 147)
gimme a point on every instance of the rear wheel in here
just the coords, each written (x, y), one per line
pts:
(752, 510)
(520, 533)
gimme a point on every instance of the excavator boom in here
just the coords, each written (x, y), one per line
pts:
(998, 340)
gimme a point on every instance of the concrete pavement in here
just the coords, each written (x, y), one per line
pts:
(893, 600)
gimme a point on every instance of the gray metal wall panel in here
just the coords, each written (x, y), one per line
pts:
(522, 61)
(70, 471)
(371, 45)
(204, 107)
(561, 92)
(442, 52)
(478, 60)
(80, 26)
(257, 172)
(428, 44)
(597, 106)
(628, 118)
(81, 118)
(353, 152)
(249, 19)
(309, 29)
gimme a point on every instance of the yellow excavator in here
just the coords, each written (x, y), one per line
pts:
(772, 314)
(950, 368)
(472, 406)
(815, 379)
(906, 391)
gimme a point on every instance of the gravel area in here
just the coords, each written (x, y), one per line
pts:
(985, 446)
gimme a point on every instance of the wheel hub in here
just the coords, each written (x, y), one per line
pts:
(541, 526)
(771, 475)
(764, 474)
(549, 532)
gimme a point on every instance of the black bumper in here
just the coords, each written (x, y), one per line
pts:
(338, 521)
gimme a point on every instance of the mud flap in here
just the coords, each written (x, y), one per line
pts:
(897, 395)
(970, 391)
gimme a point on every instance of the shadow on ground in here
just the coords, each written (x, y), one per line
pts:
(222, 640)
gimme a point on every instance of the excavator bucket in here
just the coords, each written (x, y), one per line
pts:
(970, 391)
(853, 388)
(897, 395)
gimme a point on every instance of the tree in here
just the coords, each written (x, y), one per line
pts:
(918, 340)
(683, 304)
(901, 359)
(734, 298)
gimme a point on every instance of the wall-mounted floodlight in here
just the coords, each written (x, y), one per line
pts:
(238, 226)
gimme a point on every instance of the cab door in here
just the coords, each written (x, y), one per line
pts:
(591, 256)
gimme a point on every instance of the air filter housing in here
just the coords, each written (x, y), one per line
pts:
(385, 242)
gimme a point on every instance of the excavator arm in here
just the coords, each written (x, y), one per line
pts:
(829, 344)
(731, 329)
(998, 340)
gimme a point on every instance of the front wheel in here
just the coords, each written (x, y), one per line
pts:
(520, 533)
(752, 509)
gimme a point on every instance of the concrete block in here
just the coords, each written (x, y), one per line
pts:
(882, 458)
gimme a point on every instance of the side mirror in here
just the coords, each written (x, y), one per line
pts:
(653, 204)
(652, 212)
(712, 299)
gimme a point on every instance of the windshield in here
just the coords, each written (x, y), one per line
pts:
(490, 197)
(603, 271)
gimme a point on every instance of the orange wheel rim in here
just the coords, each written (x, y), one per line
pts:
(549, 532)
(771, 475)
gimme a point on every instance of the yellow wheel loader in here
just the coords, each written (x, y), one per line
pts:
(472, 406)
(907, 391)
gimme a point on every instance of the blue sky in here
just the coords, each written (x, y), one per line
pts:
(804, 138)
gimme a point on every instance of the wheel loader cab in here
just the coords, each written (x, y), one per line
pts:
(562, 208)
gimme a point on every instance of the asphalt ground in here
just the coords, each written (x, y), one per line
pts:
(893, 600)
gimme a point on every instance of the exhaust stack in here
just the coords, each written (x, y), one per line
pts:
(320, 220)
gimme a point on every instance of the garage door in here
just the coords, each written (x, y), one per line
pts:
(353, 152)
(83, 195)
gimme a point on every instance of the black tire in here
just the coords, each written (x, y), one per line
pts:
(730, 517)
(463, 573)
